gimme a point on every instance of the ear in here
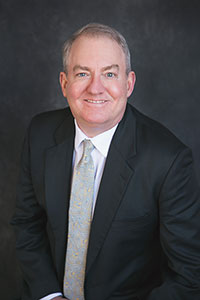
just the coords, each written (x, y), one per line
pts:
(130, 83)
(63, 82)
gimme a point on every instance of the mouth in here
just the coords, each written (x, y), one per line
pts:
(95, 101)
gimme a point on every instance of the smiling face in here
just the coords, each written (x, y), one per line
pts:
(96, 85)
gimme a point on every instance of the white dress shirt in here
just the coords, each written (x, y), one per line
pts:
(101, 143)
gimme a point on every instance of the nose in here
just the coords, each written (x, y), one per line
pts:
(95, 85)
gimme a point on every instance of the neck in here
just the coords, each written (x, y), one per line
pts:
(94, 131)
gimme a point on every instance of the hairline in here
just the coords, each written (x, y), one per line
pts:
(97, 30)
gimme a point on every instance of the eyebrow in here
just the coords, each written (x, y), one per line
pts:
(114, 66)
(84, 68)
(79, 67)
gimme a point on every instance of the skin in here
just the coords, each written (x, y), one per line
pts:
(96, 86)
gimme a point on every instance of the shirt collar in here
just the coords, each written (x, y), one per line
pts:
(101, 141)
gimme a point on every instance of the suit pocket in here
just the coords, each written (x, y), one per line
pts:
(133, 224)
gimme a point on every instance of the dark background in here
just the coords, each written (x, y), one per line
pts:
(164, 40)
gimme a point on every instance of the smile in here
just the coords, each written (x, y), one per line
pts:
(95, 101)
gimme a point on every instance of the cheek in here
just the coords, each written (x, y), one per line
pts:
(75, 90)
(117, 91)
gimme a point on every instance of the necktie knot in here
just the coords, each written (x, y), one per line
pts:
(87, 150)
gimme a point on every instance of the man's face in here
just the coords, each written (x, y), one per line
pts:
(96, 86)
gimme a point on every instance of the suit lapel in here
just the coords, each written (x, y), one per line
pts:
(117, 173)
(58, 168)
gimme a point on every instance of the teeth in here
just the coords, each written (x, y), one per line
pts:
(95, 101)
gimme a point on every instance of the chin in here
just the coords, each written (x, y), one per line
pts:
(94, 119)
(94, 123)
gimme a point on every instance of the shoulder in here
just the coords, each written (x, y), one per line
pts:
(153, 134)
(44, 125)
(50, 119)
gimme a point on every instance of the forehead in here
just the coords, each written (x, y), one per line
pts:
(96, 49)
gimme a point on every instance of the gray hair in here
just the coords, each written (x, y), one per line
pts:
(96, 29)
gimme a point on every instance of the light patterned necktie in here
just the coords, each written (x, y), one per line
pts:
(80, 216)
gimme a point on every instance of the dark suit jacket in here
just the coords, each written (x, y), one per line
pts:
(145, 234)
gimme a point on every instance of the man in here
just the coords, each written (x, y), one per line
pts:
(144, 234)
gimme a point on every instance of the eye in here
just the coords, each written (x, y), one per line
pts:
(82, 74)
(110, 74)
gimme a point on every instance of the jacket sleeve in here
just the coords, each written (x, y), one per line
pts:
(32, 243)
(179, 207)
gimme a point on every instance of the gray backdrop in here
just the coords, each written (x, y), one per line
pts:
(164, 41)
